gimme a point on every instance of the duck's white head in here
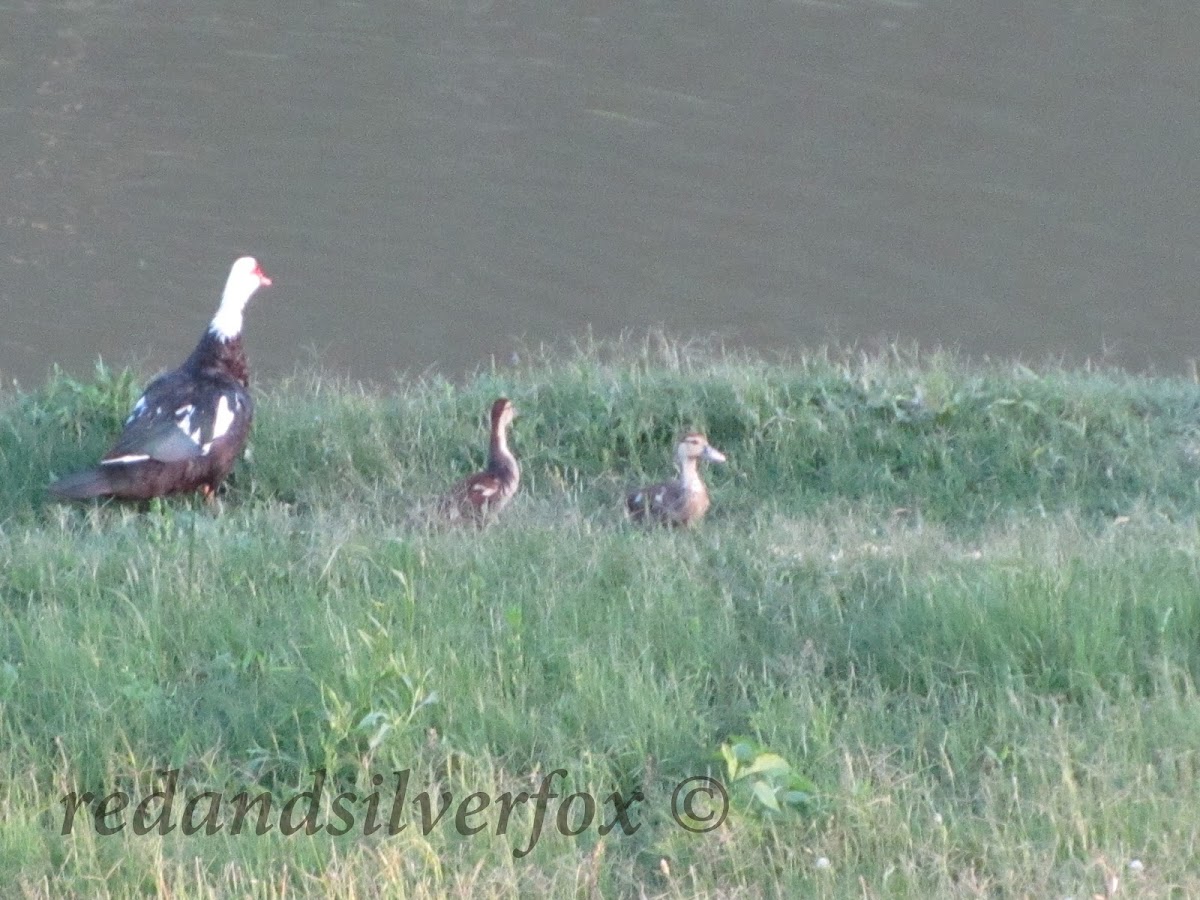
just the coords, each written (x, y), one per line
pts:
(245, 278)
(696, 446)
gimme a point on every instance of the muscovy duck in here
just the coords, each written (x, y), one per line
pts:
(191, 424)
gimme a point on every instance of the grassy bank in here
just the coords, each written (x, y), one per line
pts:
(951, 612)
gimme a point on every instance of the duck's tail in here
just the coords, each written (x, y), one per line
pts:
(83, 485)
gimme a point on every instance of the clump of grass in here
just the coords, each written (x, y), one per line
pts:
(957, 602)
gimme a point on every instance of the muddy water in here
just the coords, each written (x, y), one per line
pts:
(431, 183)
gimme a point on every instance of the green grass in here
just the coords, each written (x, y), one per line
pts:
(961, 602)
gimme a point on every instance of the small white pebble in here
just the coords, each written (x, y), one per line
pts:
(823, 862)
(1136, 865)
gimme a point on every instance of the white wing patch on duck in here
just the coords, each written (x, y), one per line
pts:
(183, 421)
(221, 424)
(224, 418)
(138, 409)
(127, 458)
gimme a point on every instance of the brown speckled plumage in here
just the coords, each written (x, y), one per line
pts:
(683, 500)
(480, 497)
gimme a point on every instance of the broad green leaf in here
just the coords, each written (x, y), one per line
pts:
(765, 794)
(769, 762)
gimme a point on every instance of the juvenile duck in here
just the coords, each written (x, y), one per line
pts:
(191, 424)
(684, 500)
(480, 497)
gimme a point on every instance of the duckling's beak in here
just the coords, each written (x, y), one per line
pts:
(712, 454)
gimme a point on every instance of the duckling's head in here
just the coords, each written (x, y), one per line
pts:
(696, 446)
(503, 412)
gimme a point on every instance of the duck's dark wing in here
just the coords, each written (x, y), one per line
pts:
(179, 419)
(657, 502)
(478, 490)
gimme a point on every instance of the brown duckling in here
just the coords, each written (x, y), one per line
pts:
(683, 500)
(480, 497)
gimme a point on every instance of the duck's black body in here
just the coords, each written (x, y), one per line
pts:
(170, 444)
(187, 429)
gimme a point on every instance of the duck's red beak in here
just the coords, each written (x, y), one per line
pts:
(263, 278)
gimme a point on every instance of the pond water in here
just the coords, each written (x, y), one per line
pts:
(434, 183)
